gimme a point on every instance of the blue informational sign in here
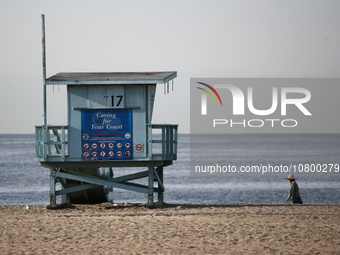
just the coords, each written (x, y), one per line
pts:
(106, 134)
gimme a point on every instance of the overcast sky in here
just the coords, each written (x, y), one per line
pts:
(195, 38)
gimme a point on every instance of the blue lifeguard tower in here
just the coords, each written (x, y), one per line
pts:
(109, 126)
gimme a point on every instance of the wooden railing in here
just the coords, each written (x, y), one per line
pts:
(168, 142)
(52, 143)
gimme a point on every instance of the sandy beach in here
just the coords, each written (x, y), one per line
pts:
(171, 229)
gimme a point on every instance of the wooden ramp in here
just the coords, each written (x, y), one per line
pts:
(89, 196)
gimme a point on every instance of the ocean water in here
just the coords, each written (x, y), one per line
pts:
(24, 181)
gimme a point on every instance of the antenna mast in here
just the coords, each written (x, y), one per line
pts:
(44, 67)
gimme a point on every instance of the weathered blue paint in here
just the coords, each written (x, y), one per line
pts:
(64, 149)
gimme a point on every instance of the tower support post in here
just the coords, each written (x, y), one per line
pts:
(52, 187)
(160, 184)
(151, 180)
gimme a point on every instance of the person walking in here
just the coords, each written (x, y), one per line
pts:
(294, 194)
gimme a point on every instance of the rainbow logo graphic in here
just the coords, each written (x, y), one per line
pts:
(204, 97)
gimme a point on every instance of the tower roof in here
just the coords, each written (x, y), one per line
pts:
(111, 78)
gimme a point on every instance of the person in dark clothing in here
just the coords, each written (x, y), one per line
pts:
(294, 194)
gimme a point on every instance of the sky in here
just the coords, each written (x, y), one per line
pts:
(198, 39)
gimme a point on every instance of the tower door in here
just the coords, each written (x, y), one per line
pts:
(108, 96)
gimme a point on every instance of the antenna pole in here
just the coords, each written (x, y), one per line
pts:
(44, 66)
(44, 85)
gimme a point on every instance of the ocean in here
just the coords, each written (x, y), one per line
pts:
(23, 181)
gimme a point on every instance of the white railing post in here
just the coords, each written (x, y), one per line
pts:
(45, 130)
(62, 143)
(163, 142)
(150, 142)
(167, 152)
(171, 142)
(175, 141)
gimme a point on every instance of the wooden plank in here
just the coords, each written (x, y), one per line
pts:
(103, 182)
(111, 78)
(75, 189)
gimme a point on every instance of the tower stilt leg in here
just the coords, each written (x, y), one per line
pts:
(160, 193)
(151, 179)
(52, 188)
(64, 196)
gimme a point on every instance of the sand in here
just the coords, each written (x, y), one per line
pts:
(171, 229)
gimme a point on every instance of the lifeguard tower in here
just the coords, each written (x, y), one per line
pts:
(109, 126)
